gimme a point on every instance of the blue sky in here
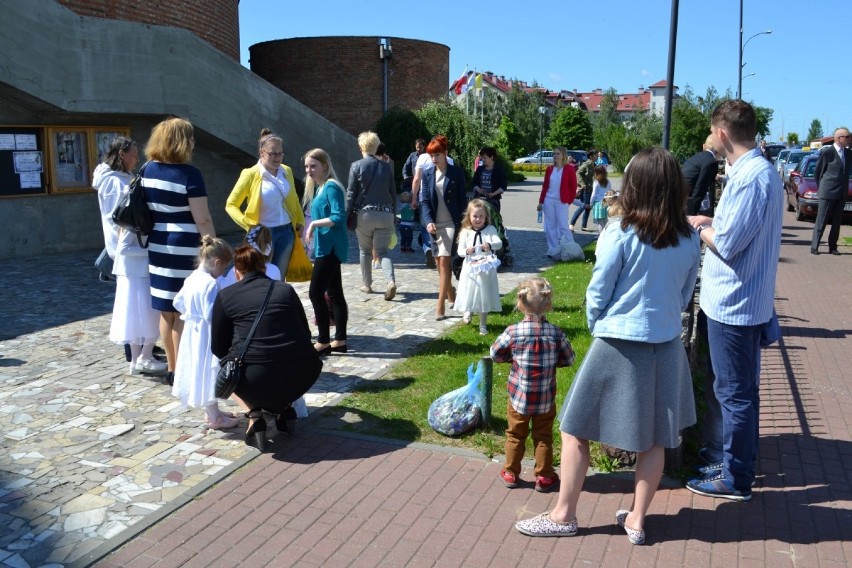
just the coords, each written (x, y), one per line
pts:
(803, 70)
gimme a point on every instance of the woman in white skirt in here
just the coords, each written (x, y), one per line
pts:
(134, 322)
(634, 389)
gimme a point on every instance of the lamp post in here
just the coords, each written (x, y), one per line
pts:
(742, 48)
(541, 111)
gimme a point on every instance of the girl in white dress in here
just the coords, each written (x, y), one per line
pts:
(195, 373)
(479, 291)
(260, 239)
(134, 321)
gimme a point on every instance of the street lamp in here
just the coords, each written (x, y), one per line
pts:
(541, 111)
(742, 47)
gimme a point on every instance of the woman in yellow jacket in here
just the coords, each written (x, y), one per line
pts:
(269, 192)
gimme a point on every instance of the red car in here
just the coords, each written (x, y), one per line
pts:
(801, 191)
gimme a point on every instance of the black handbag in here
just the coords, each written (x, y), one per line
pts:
(231, 367)
(132, 212)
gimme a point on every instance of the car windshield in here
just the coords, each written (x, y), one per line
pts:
(795, 158)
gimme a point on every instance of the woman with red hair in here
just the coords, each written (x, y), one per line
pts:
(443, 199)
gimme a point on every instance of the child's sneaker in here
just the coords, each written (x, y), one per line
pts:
(483, 330)
(510, 480)
(546, 484)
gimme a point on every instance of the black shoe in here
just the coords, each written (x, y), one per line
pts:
(339, 349)
(286, 421)
(814, 251)
(256, 434)
(169, 378)
(835, 252)
(159, 353)
(324, 351)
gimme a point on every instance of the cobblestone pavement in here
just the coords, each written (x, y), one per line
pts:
(327, 499)
(92, 455)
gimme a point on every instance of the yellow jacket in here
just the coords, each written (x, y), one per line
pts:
(248, 189)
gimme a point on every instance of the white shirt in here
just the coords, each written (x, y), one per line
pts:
(554, 184)
(273, 192)
(424, 162)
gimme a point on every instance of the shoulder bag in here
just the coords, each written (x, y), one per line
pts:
(132, 212)
(232, 366)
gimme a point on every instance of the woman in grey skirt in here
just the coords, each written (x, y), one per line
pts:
(634, 389)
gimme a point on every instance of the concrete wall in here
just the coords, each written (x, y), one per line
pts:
(60, 68)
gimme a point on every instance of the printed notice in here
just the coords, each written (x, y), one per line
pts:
(27, 162)
(30, 180)
(7, 141)
(25, 142)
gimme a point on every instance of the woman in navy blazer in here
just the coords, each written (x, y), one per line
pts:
(443, 200)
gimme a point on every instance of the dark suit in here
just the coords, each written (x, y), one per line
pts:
(700, 172)
(832, 178)
(455, 195)
(281, 362)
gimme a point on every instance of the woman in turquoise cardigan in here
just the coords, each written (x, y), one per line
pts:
(331, 247)
(269, 193)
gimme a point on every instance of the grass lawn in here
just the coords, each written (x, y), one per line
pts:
(396, 405)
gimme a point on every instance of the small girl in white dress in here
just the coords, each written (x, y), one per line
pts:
(260, 239)
(195, 373)
(479, 291)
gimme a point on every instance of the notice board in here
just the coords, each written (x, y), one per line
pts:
(22, 161)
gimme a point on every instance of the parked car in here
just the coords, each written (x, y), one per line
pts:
(579, 156)
(772, 150)
(793, 159)
(546, 158)
(781, 158)
(801, 190)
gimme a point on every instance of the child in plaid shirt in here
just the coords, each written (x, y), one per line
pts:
(536, 348)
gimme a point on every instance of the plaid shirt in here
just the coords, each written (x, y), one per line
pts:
(536, 348)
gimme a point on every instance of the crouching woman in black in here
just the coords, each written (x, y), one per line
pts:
(281, 363)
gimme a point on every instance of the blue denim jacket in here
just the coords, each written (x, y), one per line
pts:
(638, 292)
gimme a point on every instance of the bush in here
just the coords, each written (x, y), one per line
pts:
(398, 129)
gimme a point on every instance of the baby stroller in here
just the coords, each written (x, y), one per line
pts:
(504, 254)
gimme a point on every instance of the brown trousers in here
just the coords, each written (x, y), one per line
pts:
(542, 435)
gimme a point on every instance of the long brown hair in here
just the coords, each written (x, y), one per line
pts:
(653, 195)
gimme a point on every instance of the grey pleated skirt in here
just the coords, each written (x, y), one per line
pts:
(631, 395)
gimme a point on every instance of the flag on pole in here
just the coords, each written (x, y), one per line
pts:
(471, 81)
(460, 85)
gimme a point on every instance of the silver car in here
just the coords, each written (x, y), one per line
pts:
(546, 158)
(791, 162)
(780, 159)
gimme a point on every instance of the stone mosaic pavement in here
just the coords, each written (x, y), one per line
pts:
(91, 456)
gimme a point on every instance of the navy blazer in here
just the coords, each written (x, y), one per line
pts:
(455, 195)
(831, 176)
(700, 173)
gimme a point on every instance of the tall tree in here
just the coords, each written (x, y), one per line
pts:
(571, 128)
(522, 109)
(792, 138)
(815, 131)
(764, 117)
(465, 134)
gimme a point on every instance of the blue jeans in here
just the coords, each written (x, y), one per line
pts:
(283, 238)
(406, 236)
(735, 355)
(586, 197)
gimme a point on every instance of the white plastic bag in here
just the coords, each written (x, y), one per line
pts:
(458, 411)
(570, 250)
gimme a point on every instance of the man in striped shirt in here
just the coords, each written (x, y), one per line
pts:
(737, 293)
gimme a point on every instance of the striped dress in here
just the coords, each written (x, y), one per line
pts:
(174, 242)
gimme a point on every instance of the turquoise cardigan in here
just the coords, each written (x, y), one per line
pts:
(330, 203)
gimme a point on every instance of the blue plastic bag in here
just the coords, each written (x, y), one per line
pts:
(459, 411)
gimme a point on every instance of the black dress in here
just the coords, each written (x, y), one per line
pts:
(281, 362)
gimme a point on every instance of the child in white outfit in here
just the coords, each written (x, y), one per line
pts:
(478, 290)
(197, 367)
(599, 189)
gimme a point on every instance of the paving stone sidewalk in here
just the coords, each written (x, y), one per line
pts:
(90, 455)
(326, 499)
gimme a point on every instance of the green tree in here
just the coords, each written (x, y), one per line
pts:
(398, 129)
(763, 115)
(508, 141)
(647, 127)
(607, 114)
(815, 131)
(792, 138)
(571, 128)
(465, 135)
(689, 128)
(522, 109)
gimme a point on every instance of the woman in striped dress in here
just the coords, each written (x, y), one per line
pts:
(177, 197)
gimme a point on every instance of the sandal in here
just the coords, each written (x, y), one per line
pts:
(633, 535)
(542, 525)
(223, 422)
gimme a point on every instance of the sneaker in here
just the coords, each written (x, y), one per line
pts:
(711, 469)
(541, 525)
(717, 486)
(510, 480)
(430, 259)
(483, 330)
(390, 292)
(546, 484)
(150, 366)
(466, 317)
(571, 228)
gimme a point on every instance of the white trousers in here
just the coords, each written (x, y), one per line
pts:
(555, 224)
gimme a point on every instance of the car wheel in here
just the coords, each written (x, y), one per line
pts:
(799, 215)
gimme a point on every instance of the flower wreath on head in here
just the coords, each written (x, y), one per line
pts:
(251, 239)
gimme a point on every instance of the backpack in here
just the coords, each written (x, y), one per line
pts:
(132, 212)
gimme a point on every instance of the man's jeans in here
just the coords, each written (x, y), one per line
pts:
(735, 355)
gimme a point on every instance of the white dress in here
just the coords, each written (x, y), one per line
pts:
(478, 291)
(196, 369)
(134, 321)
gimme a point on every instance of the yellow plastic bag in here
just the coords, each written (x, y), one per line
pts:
(393, 241)
(300, 267)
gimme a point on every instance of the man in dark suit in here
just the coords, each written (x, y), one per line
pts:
(700, 172)
(832, 178)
